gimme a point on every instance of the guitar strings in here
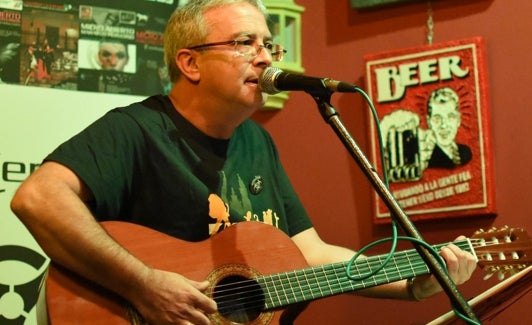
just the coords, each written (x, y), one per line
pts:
(318, 274)
(401, 263)
(304, 278)
(305, 284)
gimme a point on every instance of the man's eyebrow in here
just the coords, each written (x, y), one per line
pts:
(252, 36)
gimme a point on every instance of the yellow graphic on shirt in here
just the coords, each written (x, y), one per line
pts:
(268, 217)
(219, 211)
(237, 198)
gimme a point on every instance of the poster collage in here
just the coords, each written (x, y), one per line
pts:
(85, 45)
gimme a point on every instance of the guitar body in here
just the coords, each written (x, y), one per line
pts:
(244, 250)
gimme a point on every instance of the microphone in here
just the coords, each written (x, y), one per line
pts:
(273, 80)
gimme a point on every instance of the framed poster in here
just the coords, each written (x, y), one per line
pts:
(433, 107)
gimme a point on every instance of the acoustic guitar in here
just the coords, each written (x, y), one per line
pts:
(256, 272)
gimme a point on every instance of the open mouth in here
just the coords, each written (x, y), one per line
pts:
(253, 81)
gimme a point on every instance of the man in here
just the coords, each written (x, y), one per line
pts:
(181, 164)
(444, 119)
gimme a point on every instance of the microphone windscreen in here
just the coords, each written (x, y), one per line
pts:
(267, 80)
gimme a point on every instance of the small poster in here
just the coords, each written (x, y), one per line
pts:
(10, 18)
(48, 45)
(432, 102)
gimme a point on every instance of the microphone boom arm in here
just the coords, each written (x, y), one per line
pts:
(332, 118)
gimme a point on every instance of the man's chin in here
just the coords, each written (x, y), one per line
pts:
(264, 98)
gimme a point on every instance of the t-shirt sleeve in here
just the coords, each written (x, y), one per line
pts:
(102, 155)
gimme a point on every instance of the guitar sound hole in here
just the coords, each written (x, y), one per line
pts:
(239, 299)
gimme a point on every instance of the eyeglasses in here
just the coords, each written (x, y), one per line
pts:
(249, 47)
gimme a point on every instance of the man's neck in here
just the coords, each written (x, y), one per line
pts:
(206, 118)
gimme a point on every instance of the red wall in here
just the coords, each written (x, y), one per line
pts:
(335, 192)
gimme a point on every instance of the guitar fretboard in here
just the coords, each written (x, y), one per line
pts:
(282, 289)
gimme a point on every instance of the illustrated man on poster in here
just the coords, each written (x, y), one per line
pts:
(444, 119)
(411, 149)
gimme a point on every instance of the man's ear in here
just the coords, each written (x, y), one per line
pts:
(186, 61)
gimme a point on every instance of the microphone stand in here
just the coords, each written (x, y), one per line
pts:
(329, 114)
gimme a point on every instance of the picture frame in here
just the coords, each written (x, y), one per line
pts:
(366, 4)
(433, 106)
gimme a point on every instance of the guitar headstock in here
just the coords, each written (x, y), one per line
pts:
(503, 250)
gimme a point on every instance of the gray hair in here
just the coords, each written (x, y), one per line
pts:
(441, 96)
(186, 27)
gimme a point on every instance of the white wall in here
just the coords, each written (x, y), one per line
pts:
(33, 121)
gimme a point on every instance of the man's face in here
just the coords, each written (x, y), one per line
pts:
(444, 121)
(229, 78)
(112, 56)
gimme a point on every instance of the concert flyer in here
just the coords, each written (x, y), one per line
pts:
(49, 42)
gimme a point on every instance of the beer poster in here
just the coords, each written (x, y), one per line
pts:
(433, 107)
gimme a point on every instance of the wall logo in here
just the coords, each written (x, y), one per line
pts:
(15, 172)
(18, 299)
(19, 290)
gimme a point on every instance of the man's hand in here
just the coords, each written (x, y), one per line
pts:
(460, 267)
(169, 298)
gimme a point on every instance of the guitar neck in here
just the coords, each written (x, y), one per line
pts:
(282, 289)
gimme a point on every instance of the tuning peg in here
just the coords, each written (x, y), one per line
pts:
(487, 276)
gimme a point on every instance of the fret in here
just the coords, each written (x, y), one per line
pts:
(409, 260)
(299, 285)
(283, 284)
(347, 284)
(394, 268)
(328, 278)
(293, 293)
(318, 285)
(308, 285)
(268, 297)
(305, 284)
(389, 271)
(367, 262)
(301, 288)
(275, 288)
(335, 275)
